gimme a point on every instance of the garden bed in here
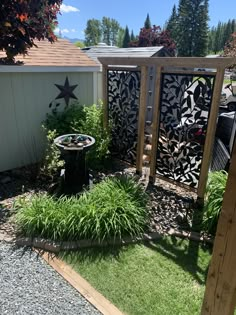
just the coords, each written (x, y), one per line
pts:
(171, 207)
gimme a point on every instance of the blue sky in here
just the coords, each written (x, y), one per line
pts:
(75, 13)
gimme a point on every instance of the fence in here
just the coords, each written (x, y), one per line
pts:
(185, 103)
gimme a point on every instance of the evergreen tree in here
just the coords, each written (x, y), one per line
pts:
(126, 39)
(192, 28)
(172, 24)
(227, 32)
(233, 26)
(220, 35)
(132, 37)
(211, 39)
(93, 32)
(200, 38)
(147, 23)
(218, 43)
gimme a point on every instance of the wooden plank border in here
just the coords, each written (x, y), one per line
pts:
(82, 286)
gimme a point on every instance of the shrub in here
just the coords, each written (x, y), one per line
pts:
(110, 209)
(213, 200)
(52, 162)
(93, 125)
(86, 120)
(64, 121)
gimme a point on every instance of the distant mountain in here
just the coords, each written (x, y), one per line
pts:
(74, 40)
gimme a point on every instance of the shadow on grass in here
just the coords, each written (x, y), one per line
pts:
(94, 254)
(184, 254)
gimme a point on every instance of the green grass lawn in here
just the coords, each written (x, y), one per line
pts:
(166, 277)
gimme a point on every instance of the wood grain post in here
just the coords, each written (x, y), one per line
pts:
(210, 135)
(220, 291)
(141, 119)
(155, 125)
(105, 96)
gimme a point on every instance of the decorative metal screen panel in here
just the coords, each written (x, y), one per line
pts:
(184, 109)
(123, 107)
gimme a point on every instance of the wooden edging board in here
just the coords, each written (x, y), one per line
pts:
(81, 285)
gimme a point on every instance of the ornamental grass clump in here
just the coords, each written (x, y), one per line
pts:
(213, 200)
(113, 208)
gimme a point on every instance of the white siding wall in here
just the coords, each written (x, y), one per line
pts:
(24, 100)
(98, 86)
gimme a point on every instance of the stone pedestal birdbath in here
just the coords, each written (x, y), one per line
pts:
(73, 148)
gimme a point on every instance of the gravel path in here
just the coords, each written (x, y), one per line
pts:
(29, 286)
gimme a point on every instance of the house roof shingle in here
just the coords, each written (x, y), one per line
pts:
(61, 53)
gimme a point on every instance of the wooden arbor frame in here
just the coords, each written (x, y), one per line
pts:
(175, 65)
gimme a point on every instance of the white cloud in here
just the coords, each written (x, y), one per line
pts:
(68, 8)
(57, 30)
(65, 31)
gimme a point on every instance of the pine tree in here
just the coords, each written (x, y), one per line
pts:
(200, 38)
(192, 28)
(218, 43)
(233, 26)
(172, 24)
(132, 37)
(227, 32)
(126, 39)
(147, 23)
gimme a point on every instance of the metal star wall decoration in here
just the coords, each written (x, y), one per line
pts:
(66, 91)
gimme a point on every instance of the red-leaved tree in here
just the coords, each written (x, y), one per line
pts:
(230, 47)
(23, 21)
(155, 37)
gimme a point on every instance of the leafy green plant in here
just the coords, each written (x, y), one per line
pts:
(86, 120)
(109, 210)
(213, 200)
(93, 125)
(52, 162)
(63, 121)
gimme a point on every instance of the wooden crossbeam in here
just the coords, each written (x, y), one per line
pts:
(183, 62)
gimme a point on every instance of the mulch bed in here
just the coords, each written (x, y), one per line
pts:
(171, 207)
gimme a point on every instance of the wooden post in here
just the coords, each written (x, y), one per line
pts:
(155, 125)
(220, 291)
(105, 96)
(210, 136)
(141, 119)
